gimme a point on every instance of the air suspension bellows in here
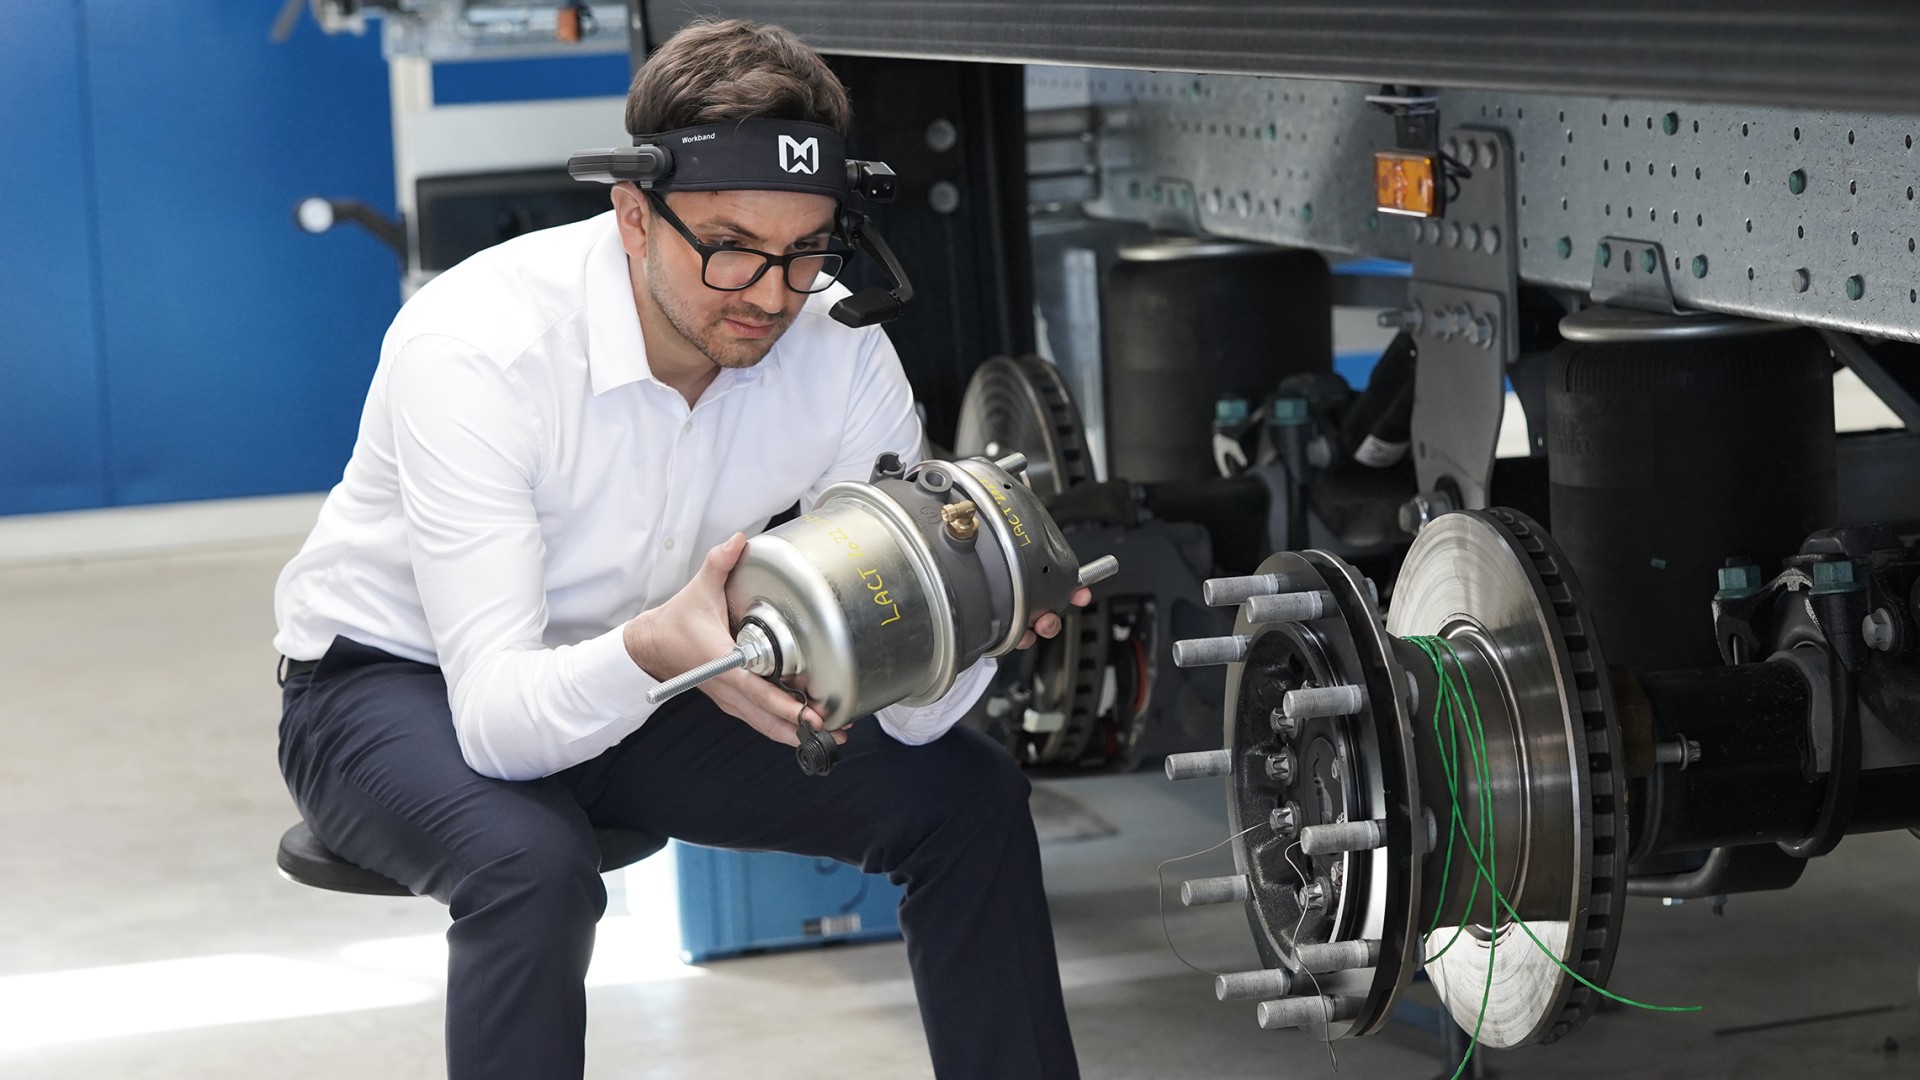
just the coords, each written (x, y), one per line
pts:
(1674, 443)
(888, 589)
(1186, 323)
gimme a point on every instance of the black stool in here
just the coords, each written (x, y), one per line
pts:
(304, 860)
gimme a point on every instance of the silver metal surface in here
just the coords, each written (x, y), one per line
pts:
(1200, 652)
(1099, 570)
(1342, 836)
(1214, 890)
(1337, 956)
(1042, 567)
(1228, 591)
(1349, 769)
(691, 678)
(1465, 580)
(1019, 407)
(1464, 288)
(898, 644)
(1265, 983)
(1296, 1012)
(1285, 821)
(1616, 324)
(1288, 606)
(1289, 161)
(1199, 764)
(1422, 508)
(1878, 630)
(1323, 701)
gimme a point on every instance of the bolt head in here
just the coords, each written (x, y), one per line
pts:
(1287, 411)
(1834, 577)
(1738, 582)
(1320, 452)
(1878, 629)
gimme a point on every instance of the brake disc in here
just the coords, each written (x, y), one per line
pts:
(1353, 848)
(1494, 585)
(1019, 404)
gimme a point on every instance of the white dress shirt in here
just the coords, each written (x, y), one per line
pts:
(522, 486)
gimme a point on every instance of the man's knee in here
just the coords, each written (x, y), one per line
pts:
(554, 870)
(966, 775)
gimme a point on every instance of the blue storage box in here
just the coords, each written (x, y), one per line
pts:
(733, 902)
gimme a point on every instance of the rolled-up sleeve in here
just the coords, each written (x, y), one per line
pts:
(470, 446)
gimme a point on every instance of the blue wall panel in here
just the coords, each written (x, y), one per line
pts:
(51, 451)
(237, 348)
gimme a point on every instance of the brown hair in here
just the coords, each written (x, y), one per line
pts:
(712, 71)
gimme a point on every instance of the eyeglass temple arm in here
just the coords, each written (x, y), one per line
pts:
(874, 305)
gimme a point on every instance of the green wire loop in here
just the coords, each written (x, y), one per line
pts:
(1462, 717)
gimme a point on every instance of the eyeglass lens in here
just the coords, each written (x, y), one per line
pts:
(728, 269)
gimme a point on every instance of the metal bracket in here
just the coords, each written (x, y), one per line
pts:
(1632, 273)
(1463, 298)
(1848, 350)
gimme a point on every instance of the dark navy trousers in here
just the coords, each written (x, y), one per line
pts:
(368, 750)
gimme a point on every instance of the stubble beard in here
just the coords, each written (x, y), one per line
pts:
(711, 338)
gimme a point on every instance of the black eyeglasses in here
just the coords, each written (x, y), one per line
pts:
(731, 269)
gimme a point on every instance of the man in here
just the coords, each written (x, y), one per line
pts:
(557, 429)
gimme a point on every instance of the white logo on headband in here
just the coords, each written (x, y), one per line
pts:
(798, 156)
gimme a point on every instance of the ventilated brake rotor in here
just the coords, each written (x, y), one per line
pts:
(1355, 848)
(1019, 404)
(1495, 586)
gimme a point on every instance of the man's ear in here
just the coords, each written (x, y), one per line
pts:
(630, 209)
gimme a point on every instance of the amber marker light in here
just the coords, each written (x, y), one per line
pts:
(1403, 183)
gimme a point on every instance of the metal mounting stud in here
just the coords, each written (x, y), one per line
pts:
(1323, 701)
(1199, 764)
(1343, 836)
(1231, 591)
(1289, 606)
(1266, 983)
(1296, 1012)
(1337, 956)
(1215, 890)
(1200, 652)
(1285, 726)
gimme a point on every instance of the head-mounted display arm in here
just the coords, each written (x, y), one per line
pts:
(645, 165)
(874, 304)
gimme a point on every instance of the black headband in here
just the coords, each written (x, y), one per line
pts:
(767, 155)
(755, 153)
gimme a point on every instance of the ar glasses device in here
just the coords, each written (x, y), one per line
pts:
(766, 155)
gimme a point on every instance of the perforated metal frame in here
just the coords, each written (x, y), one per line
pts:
(1796, 215)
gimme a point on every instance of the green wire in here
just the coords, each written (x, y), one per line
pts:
(1464, 716)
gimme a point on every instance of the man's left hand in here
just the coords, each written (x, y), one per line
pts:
(1047, 624)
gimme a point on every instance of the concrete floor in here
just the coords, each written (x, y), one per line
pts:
(148, 936)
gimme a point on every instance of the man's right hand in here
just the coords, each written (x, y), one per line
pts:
(692, 627)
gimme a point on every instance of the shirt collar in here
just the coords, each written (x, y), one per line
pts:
(616, 349)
